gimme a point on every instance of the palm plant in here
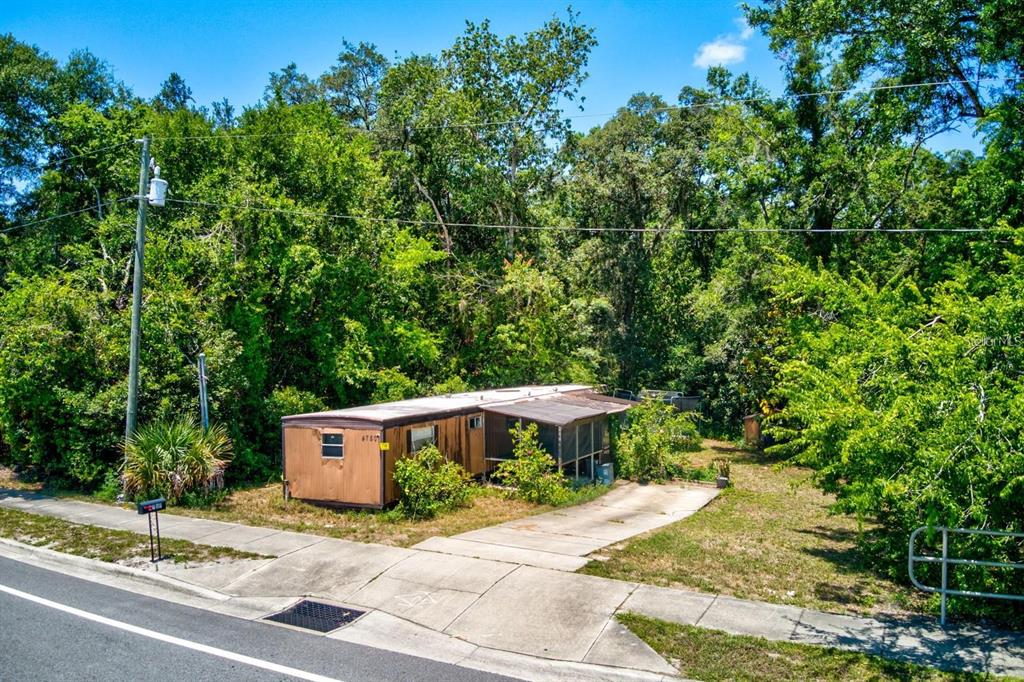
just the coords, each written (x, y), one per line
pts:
(170, 458)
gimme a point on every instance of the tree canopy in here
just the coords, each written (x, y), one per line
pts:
(433, 223)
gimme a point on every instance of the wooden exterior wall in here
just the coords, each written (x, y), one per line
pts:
(354, 480)
(455, 440)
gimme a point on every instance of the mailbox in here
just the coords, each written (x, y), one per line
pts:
(152, 508)
(149, 506)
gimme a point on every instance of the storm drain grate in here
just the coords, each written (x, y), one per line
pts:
(314, 615)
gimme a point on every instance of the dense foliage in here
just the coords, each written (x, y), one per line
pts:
(653, 445)
(430, 483)
(363, 235)
(532, 474)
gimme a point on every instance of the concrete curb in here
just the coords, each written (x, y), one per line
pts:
(10, 547)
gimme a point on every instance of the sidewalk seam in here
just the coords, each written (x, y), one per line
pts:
(705, 611)
(480, 596)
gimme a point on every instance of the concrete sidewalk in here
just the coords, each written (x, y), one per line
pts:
(562, 539)
(560, 625)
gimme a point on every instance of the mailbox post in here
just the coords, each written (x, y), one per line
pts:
(152, 508)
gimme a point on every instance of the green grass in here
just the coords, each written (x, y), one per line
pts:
(712, 655)
(265, 507)
(769, 537)
(92, 542)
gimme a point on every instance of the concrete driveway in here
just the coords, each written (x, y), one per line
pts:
(563, 538)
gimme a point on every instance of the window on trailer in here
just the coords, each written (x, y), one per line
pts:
(476, 422)
(421, 436)
(332, 445)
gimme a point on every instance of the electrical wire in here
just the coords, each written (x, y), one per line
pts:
(576, 228)
(676, 107)
(64, 215)
(54, 162)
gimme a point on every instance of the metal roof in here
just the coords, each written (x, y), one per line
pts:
(383, 415)
(597, 401)
(554, 410)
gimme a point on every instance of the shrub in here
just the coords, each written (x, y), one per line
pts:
(652, 446)
(168, 459)
(430, 483)
(111, 487)
(531, 473)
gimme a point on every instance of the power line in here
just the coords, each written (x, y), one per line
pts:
(64, 215)
(54, 162)
(675, 107)
(576, 228)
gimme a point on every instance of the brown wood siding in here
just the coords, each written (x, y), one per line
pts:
(354, 480)
(455, 440)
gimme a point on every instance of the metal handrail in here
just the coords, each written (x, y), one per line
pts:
(946, 561)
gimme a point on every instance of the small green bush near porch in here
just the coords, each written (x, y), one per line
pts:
(531, 473)
(651, 448)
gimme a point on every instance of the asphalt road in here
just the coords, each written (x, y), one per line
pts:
(42, 642)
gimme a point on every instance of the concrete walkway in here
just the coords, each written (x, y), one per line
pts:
(550, 624)
(563, 538)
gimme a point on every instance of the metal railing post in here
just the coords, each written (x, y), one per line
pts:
(944, 591)
(945, 572)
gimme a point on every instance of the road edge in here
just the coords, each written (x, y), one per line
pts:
(19, 551)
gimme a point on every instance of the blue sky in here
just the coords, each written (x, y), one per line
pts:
(227, 48)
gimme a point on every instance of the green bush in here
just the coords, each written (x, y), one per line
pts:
(169, 459)
(110, 488)
(652, 446)
(430, 483)
(531, 473)
(911, 412)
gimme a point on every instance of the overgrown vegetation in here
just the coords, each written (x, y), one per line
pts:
(532, 474)
(174, 458)
(652, 446)
(430, 483)
(716, 656)
(770, 537)
(788, 254)
(93, 542)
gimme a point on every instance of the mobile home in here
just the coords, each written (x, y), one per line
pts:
(347, 457)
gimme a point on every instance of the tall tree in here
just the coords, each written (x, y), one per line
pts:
(351, 86)
(26, 100)
(174, 94)
(291, 86)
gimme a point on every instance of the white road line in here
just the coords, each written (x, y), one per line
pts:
(213, 651)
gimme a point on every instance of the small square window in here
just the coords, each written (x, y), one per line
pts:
(332, 445)
(476, 422)
(421, 436)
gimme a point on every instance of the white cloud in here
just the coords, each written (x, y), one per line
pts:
(746, 30)
(727, 49)
(719, 53)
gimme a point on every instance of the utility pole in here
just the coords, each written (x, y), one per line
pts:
(140, 248)
(204, 410)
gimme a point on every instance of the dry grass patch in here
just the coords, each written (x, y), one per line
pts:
(114, 546)
(714, 656)
(265, 507)
(770, 537)
(11, 481)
